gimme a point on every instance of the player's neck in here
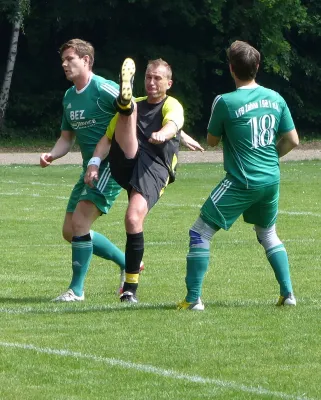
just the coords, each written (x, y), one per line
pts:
(155, 100)
(81, 81)
(239, 83)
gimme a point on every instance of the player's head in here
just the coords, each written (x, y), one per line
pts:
(77, 57)
(158, 79)
(159, 62)
(81, 48)
(244, 60)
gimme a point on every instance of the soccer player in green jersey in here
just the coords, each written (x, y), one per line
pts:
(88, 107)
(256, 129)
(143, 140)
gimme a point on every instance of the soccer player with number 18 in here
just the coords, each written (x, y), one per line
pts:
(257, 129)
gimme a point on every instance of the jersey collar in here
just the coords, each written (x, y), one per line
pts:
(84, 88)
(252, 86)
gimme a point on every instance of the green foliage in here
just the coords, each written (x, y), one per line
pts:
(192, 35)
(30, 110)
(15, 9)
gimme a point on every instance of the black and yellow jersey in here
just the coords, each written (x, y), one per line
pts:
(151, 118)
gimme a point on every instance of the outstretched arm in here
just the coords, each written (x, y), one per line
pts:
(60, 149)
(100, 153)
(189, 142)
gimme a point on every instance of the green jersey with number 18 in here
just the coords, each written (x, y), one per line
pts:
(87, 112)
(250, 121)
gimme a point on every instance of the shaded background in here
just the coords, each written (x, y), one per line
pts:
(192, 35)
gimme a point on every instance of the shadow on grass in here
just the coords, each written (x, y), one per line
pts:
(47, 306)
(22, 300)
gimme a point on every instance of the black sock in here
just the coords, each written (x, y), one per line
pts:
(133, 257)
(124, 110)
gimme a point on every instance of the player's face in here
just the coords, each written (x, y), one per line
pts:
(157, 83)
(73, 65)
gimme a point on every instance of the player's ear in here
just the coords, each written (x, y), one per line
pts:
(231, 71)
(86, 59)
(169, 84)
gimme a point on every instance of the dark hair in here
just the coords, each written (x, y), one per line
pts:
(244, 60)
(82, 48)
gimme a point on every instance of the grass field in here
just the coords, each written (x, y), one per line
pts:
(240, 347)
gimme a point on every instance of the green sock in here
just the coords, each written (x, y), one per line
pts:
(278, 259)
(197, 264)
(82, 252)
(104, 248)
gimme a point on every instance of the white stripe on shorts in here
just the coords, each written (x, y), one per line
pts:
(221, 190)
(103, 180)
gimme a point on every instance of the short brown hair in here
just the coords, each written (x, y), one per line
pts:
(82, 48)
(244, 60)
(159, 61)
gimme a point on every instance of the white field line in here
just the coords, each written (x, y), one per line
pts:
(161, 204)
(15, 194)
(63, 245)
(150, 369)
(147, 244)
(300, 213)
(38, 183)
(120, 202)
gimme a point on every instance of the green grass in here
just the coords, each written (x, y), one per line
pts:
(240, 347)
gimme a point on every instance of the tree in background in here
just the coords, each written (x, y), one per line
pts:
(191, 35)
(15, 10)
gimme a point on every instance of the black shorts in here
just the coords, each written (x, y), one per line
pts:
(143, 173)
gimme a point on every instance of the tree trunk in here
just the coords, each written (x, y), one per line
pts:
(4, 95)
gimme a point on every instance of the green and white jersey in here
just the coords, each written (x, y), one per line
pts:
(87, 112)
(250, 120)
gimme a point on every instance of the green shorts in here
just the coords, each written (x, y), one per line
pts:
(227, 202)
(102, 195)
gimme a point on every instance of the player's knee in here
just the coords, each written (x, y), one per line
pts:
(67, 234)
(267, 237)
(201, 234)
(79, 224)
(197, 240)
(134, 222)
(258, 239)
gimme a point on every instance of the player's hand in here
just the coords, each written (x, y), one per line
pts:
(45, 160)
(157, 138)
(92, 174)
(192, 144)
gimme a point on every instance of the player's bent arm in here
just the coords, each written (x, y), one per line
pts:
(173, 121)
(168, 131)
(102, 148)
(63, 144)
(60, 149)
(213, 140)
(287, 142)
(189, 142)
